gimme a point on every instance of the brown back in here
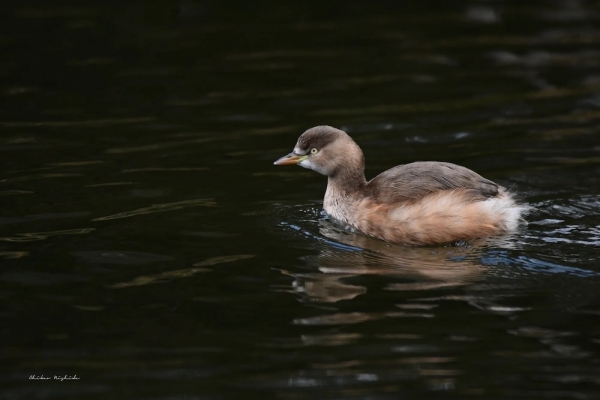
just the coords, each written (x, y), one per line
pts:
(412, 182)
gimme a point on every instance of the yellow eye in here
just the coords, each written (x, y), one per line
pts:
(314, 151)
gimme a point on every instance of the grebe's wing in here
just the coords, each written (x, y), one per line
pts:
(414, 181)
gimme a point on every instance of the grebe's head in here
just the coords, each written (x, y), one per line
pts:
(326, 150)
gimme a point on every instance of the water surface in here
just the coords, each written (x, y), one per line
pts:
(150, 248)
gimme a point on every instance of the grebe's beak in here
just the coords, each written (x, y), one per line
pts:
(290, 159)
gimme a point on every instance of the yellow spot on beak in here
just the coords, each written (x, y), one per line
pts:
(290, 159)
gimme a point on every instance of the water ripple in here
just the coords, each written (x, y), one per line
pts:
(80, 124)
(30, 237)
(160, 208)
(14, 192)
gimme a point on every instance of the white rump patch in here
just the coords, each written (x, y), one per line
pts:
(506, 206)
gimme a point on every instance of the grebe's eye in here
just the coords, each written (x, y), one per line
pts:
(314, 151)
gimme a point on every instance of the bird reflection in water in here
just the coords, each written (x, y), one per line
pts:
(349, 255)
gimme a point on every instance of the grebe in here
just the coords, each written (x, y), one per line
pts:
(420, 203)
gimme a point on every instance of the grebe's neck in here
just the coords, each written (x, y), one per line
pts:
(347, 181)
(344, 189)
(345, 170)
(347, 174)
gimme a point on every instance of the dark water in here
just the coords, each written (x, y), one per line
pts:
(151, 250)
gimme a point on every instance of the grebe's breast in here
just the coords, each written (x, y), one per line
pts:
(340, 205)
